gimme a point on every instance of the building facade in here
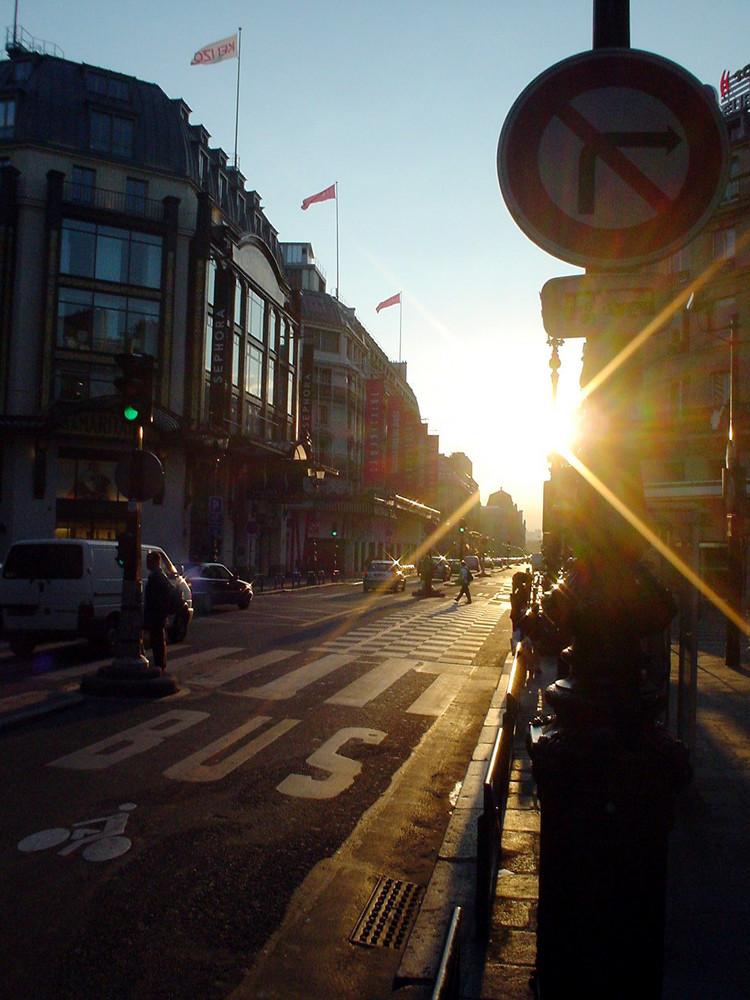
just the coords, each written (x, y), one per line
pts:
(122, 231)
(287, 438)
(695, 372)
(363, 421)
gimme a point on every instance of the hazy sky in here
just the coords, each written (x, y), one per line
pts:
(401, 102)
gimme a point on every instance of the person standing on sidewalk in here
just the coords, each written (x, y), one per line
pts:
(156, 607)
(466, 579)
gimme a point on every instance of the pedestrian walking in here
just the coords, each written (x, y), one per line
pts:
(157, 604)
(466, 578)
(519, 601)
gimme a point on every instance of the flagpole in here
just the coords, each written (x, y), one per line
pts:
(337, 239)
(400, 314)
(237, 105)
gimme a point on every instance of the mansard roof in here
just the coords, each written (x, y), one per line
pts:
(55, 98)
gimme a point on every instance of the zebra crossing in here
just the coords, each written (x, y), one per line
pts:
(429, 637)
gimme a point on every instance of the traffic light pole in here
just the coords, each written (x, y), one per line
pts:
(129, 654)
(130, 674)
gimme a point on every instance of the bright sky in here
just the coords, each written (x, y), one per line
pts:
(401, 102)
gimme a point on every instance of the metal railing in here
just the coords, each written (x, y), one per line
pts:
(121, 202)
(448, 979)
(495, 796)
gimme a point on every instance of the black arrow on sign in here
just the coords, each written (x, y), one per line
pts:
(666, 140)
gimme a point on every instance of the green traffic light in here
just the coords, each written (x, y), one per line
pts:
(130, 413)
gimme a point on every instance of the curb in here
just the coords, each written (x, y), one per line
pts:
(453, 880)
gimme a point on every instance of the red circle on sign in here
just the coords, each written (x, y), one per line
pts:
(638, 164)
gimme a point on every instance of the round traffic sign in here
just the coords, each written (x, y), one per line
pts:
(139, 475)
(613, 158)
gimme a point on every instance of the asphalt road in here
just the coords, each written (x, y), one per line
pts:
(223, 841)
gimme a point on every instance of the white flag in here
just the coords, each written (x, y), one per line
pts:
(216, 52)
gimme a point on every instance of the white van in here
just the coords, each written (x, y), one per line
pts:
(60, 588)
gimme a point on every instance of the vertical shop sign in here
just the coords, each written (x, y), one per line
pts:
(374, 431)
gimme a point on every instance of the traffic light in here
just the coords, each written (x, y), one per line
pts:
(462, 528)
(135, 387)
(334, 531)
(126, 553)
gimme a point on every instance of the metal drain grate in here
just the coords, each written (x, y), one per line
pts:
(388, 916)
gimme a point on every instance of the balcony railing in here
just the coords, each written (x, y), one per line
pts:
(112, 201)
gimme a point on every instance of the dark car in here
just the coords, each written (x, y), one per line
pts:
(213, 584)
(441, 568)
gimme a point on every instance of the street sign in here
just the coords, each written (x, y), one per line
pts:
(581, 305)
(613, 158)
(139, 475)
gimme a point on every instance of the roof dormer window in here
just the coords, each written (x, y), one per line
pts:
(7, 118)
(111, 134)
(107, 86)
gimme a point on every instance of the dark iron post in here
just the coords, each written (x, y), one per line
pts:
(607, 773)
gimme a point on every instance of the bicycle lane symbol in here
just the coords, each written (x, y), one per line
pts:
(98, 844)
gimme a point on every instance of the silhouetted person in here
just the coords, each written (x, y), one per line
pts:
(156, 607)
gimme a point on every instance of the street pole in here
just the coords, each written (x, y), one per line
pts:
(607, 774)
(734, 492)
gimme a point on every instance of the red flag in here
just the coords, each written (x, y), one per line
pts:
(394, 300)
(330, 192)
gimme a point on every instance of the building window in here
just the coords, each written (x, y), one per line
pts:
(676, 401)
(254, 371)
(203, 166)
(290, 393)
(84, 184)
(327, 340)
(106, 323)
(111, 134)
(211, 282)
(110, 254)
(21, 70)
(271, 375)
(732, 192)
(236, 355)
(256, 308)
(238, 304)
(208, 345)
(724, 244)
(136, 193)
(719, 389)
(7, 118)
(107, 86)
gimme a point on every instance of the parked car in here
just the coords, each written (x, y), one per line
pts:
(441, 568)
(67, 588)
(213, 583)
(473, 563)
(384, 575)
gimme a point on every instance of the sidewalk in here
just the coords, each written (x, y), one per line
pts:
(708, 883)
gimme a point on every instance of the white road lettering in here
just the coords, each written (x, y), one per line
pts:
(343, 770)
(195, 768)
(129, 742)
